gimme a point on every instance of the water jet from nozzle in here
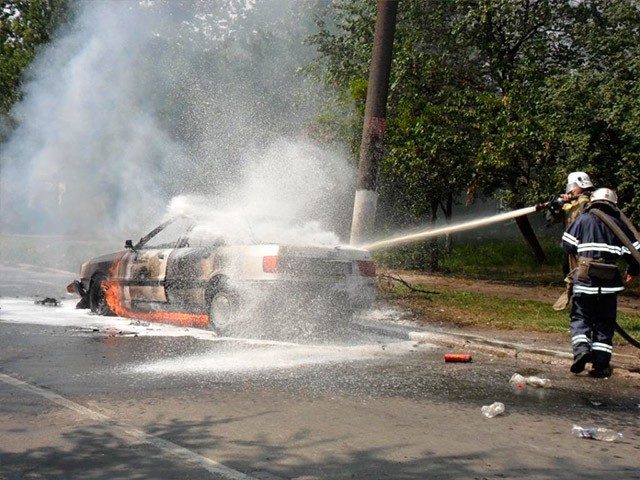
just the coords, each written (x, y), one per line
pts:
(414, 237)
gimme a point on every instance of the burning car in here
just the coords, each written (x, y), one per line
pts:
(194, 273)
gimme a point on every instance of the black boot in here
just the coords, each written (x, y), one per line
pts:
(601, 371)
(580, 361)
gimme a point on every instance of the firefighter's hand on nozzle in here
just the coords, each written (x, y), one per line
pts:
(566, 197)
(555, 202)
(552, 207)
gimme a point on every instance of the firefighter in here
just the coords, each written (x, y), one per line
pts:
(575, 198)
(597, 281)
(578, 192)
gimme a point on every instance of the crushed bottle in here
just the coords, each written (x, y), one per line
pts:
(596, 433)
(532, 381)
(490, 411)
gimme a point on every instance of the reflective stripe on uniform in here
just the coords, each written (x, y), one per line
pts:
(599, 247)
(582, 338)
(596, 290)
(603, 347)
(570, 239)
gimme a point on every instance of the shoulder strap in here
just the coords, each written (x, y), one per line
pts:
(629, 224)
(617, 231)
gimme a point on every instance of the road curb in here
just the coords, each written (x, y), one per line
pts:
(480, 343)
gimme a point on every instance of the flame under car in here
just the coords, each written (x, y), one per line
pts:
(188, 273)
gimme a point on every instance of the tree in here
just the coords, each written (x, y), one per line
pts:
(25, 26)
(428, 126)
(497, 97)
(595, 103)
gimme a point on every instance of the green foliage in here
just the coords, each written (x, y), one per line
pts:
(487, 259)
(25, 25)
(487, 97)
(496, 97)
(412, 257)
(596, 107)
(505, 260)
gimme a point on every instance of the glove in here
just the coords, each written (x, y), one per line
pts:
(555, 203)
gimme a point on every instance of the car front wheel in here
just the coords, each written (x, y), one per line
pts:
(97, 299)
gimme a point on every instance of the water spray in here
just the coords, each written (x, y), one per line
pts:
(414, 237)
(553, 203)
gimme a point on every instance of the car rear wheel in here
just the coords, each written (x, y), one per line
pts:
(223, 311)
(97, 299)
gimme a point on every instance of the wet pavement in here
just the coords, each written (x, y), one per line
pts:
(102, 397)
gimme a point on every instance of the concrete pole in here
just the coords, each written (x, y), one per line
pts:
(372, 148)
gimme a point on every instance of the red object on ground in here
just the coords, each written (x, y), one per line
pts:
(457, 357)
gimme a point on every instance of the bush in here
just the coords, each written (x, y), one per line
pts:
(491, 258)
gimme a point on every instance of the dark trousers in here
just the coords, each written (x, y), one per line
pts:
(593, 319)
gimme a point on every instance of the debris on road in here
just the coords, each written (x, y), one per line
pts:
(490, 411)
(48, 302)
(457, 357)
(596, 433)
(533, 381)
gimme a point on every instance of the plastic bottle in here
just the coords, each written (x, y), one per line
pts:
(538, 382)
(596, 433)
(490, 411)
(532, 381)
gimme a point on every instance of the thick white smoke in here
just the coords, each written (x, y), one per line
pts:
(291, 192)
(142, 101)
(87, 145)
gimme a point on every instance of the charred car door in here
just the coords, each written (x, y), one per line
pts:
(191, 268)
(148, 269)
(148, 261)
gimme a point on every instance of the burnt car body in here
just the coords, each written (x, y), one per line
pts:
(195, 275)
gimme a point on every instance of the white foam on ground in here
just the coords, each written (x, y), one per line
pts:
(22, 310)
(247, 355)
(272, 357)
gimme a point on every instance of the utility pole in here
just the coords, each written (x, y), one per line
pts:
(372, 148)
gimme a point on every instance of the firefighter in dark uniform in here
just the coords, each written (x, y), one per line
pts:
(597, 281)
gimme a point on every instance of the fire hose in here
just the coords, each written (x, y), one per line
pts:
(554, 205)
(617, 231)
(635, 253)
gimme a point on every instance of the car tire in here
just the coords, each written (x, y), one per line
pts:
(97, 299)
(223, 311)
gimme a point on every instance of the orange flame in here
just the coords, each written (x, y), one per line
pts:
(113, 295)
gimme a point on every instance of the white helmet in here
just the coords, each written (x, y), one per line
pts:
(578, 179)
(604, 195)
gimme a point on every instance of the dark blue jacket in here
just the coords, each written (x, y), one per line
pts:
(589, 237)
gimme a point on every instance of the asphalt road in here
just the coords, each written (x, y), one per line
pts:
(88, 397)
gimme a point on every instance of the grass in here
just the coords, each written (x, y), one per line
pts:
(495, 260)
(470, 308)
(503, 260)
(465, 308)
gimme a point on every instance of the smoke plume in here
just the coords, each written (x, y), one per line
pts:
(141, 102)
